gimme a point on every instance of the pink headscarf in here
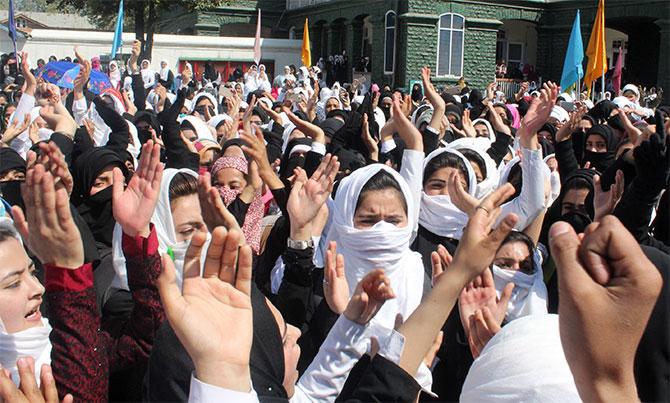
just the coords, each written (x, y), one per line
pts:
(516, 117)
(252, 221)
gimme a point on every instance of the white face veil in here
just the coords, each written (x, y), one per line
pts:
(382, 246)
(164, 226)
(437, 213)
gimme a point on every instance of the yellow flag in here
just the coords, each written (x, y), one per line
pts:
(306, 52)
(597, 65)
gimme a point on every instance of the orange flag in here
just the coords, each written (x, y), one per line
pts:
(306, 52)
(597, 65)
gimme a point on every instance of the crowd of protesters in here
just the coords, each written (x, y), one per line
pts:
(193, 237)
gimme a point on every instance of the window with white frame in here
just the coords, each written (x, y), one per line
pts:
(450, 37)
(389, 42)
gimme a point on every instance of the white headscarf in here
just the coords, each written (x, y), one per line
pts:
(529, 296)
(164, 70)
(114, 76)
(480, 145)
(202, 129)
(164, 226)
(524, 362)
(437, 213)
(492, 133)
(382, 246)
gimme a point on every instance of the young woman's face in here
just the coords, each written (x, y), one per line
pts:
(479, 174)
(436, 185)
(186, 216)
(8, 113)
(145, 65)
(574, 201)
(585, 125)
(104, 180)
(380, 205)
(482, 130)
(20, 291)
(231, 178)
(332, 104)
(514, 256)
(596, 143)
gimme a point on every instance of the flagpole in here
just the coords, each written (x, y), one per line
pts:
(602, 84)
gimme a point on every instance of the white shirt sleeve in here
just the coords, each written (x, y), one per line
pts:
(345, 345)
(202, 392)
(79, 110)
(387, 146)
(530, 201)
(319, 148)
(411, 169)
(21, 143)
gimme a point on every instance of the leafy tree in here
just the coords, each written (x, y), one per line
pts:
(139, 15)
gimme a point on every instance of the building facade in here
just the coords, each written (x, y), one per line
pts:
(456, 38)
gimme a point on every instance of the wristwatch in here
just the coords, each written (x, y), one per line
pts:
(299, 245)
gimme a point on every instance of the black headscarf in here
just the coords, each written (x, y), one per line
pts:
(579, 221)
(291, 162)
(10, 159)
(601, 161)
(96, 210)
(602, 110)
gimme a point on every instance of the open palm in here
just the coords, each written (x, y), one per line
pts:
(480, 294)
(214, 305)
(307, 196)
(134, 206)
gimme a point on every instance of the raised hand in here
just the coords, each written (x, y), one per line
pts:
(607, 286)
(479, 242)
(308, 196)
(483, 326)
(335, 286)
(271, 112)
(435, 99)
(461, 199)
(134, 57)
(605, 202)
(371, 292)
(134, 206)
(214, 211)
(497, 122)
(369, 142)
(54, 161)
(48, 230)
(440, 261)
(407, 131)
(468, 127)
(28, 391)
(31, 82)
(212, 305)
(256, 149)
(565, 131)
(310, 129)
(82, 78)
(15, 128)
(537, 115)
(59, 119)
(480, 294)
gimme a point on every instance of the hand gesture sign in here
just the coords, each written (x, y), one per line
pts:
(537, 115)
(371, 292)
(134, 206)
(607, 286)
(335, 286)
(48, 227)
(54, 161)
(214, 304)
(605, 202)
(15, 128)
(308, 196)
(214, 211)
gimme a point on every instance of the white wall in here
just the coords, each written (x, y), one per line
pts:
(45, 42)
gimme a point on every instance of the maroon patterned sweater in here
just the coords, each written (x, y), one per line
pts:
(83, 351)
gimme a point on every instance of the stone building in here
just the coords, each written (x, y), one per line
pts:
(456, 38)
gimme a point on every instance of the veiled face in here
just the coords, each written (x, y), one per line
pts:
(436, 185)
(380, 205)
(514, 256)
